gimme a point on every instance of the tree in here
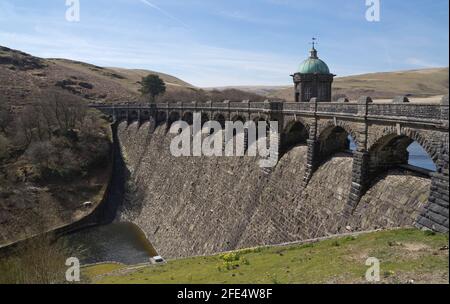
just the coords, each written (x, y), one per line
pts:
(153, 86)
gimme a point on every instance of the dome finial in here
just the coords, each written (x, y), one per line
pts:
(313, 50)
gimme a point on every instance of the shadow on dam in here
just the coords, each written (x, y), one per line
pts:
(100, 239)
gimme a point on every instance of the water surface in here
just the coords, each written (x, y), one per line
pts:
(118, 242)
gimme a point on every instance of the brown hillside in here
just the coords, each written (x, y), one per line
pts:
(24, 78)
(416, 83)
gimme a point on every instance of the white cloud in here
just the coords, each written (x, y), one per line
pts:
(421, 63)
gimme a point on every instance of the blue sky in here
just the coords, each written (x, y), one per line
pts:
(232, 42)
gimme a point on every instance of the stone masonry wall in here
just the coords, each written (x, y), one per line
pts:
(196, 205)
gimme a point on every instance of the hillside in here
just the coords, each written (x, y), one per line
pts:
(50, 164)
(406, 256)
(25, 78)
(416, 83)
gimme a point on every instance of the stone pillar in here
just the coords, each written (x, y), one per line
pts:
(360, 172)
(360, 169)
(311, 160)
(313, 146)
(435, 214)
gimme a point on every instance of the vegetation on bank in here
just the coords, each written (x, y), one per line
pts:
(406, 256)
(54, 155)
(40, 260)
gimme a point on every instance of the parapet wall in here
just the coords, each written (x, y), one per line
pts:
(197, 205)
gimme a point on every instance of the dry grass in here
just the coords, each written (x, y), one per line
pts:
(417, 83)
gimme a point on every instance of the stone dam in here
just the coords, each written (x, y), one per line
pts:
(191, 206)
(201, 205)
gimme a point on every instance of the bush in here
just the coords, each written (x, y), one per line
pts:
(40, 260)
(230, 257)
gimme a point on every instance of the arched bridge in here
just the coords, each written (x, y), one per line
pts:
(381, 132)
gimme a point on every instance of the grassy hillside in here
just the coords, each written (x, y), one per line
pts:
(405, 255)
(25, 78)
(417, 83)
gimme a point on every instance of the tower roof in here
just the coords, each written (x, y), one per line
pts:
(313, 65)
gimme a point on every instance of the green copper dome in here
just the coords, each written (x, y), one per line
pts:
(313, 65)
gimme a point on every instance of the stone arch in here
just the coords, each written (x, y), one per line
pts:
(219, 117)
(416, 136)
(204, 118)
(331, 140)
(161, 118)
(173, 117)
(342, 124)
(390, 150)
(238, 117)
(133, 115)
(145, 115)
(292, 120)
(295, 133)
(122, 115)
(188, 117)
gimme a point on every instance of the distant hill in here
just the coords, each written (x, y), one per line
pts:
(24, 78)
(416, 83)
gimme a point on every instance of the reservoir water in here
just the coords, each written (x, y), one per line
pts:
(118, 242)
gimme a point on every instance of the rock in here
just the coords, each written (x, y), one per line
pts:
(86, 85)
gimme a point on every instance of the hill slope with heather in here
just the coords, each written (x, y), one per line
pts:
(415, 83)
(25, 78)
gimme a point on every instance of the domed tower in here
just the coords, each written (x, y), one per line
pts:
(313, 79)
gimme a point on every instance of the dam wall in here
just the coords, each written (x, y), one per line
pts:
(201, 205)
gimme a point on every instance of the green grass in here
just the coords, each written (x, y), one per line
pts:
(407, 254)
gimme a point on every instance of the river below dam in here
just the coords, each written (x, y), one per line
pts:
(118, 242)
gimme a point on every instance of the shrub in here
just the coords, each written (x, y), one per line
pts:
(230, 257)
(40, 260)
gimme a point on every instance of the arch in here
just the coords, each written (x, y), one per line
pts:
(188, 117)
(173, 117)
(161, 118)
(289, 122)
(332, 140)
(391, 150)
(204, 118)
(432, 152)
(133, 116)
(145, 115)
(219, 117)
(238, 118)
(294, 134)
(342, 124)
